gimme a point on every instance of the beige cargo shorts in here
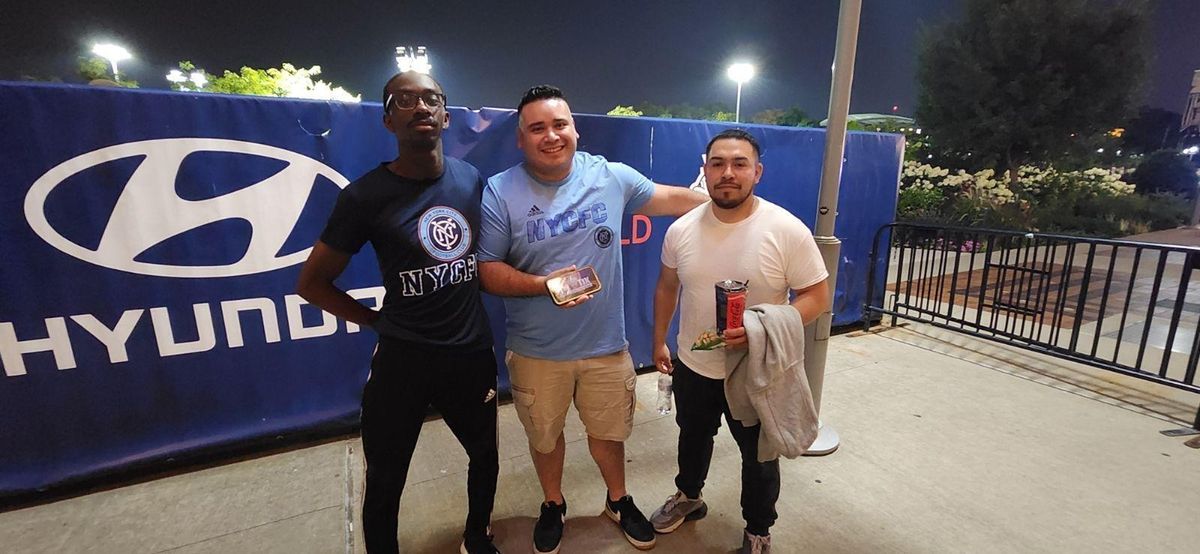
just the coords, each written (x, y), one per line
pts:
(602, 387)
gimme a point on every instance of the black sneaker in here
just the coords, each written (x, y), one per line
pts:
(476, 543)
(637, 530)
(547, 532)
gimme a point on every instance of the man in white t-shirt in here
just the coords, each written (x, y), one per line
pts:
(741, 237)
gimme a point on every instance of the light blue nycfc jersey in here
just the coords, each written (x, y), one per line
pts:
(539, 227)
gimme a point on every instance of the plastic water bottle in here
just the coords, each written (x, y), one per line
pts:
(664, 394)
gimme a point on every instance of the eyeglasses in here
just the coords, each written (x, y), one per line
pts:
(408, 100)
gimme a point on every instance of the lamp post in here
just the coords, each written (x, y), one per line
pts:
(831, 181)
(113, 54)
(416, 59)
(740, 73)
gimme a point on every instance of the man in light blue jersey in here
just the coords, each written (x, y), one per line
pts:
(559, 210)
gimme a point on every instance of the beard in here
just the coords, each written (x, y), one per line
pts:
(729, 203)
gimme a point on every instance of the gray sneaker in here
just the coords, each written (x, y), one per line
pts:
(754, 544)
(678, 509)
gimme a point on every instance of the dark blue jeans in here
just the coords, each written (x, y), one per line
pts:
(405, 381)
(699, 405)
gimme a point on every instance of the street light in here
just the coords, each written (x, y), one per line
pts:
(113, 54)
(413, 59)
(740, 73)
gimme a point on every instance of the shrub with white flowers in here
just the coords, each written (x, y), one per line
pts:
(1032, 182)
(982, 184)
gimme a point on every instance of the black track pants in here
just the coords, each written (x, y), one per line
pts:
(405, 381)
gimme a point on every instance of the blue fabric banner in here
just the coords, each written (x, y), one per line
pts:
(151, 242)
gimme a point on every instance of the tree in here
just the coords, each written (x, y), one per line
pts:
(712, 112)
(41, 78)
(93, 68)
(767, 117)
(791, 117)
(1166, 171)
(653, 110)
(1013, 81)
(624, 111)
(287, 80)
(796, 117)
(1153, 129)
(250, 81)
(189, 69)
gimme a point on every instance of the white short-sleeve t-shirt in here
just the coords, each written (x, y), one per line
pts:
(771, 249)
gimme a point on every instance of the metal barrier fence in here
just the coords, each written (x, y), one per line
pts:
(1124, 306)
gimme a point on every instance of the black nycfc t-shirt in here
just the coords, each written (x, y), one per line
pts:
(424, 235)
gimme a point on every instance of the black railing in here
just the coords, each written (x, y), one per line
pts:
(1124, 306)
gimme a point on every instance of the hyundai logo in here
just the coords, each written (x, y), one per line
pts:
(149, 211)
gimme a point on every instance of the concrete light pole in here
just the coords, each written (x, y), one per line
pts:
(831, 177)
(740, 73)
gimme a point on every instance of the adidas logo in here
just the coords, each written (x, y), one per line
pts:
(534, 211)
(491, 393)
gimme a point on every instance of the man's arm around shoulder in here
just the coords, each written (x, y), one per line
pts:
(671, 200)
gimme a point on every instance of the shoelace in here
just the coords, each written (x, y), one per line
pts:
(757, 543)
(672, 502)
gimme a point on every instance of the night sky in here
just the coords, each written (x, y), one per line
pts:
(486, 53)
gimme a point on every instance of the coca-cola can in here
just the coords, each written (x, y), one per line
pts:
(731, 304)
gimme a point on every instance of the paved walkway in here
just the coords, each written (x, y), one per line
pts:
(950, 444)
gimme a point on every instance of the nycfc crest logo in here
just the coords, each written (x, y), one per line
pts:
(444, 233)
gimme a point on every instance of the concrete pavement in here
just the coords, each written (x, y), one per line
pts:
(950, 444)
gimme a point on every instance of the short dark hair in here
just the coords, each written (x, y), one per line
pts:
(736, 134)
(540, 92)
(386, 94)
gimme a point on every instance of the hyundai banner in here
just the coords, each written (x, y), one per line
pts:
(150, 243)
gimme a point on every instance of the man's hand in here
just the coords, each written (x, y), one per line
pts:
(558, 273)
(735, 338)
(700, 185)
(662, 359)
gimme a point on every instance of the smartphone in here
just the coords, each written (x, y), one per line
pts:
(566, 288)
